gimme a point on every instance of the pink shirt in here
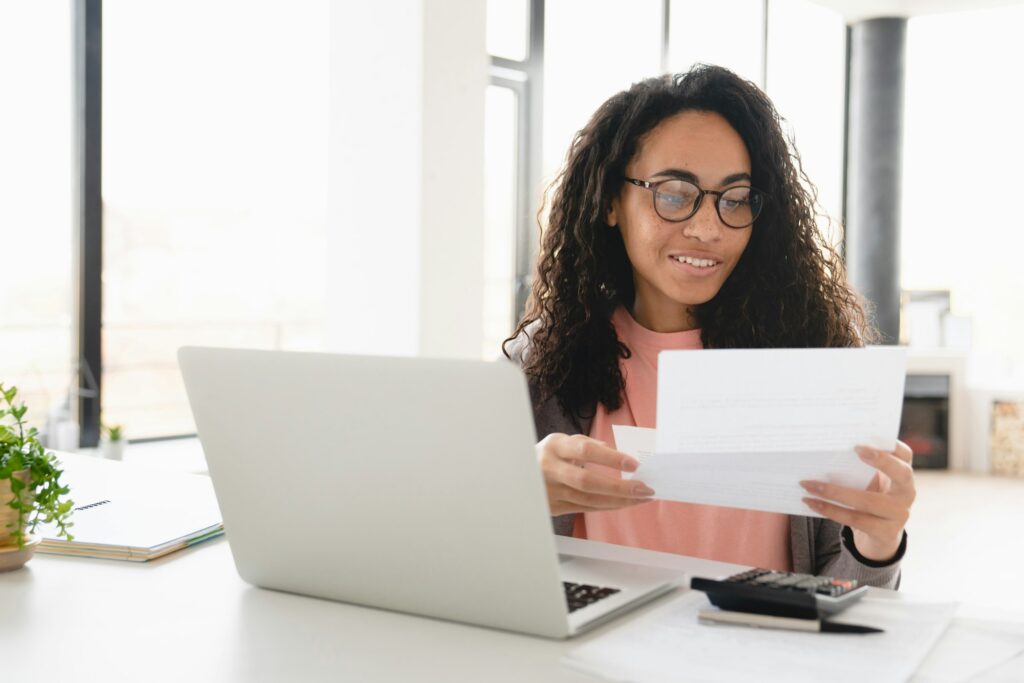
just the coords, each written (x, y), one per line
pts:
(745, 537)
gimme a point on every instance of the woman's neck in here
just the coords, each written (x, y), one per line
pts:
(666, 317)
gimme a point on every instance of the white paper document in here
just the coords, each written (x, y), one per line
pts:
(741, 428)
(671, 645)
(972, 650)
(635, 441)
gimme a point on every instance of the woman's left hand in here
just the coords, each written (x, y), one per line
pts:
(876, 515)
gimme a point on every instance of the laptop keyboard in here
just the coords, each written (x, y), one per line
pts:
(579, 595)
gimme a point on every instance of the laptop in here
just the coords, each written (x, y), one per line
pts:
(406, 484)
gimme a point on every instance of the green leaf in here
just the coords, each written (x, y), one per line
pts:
(44, 499)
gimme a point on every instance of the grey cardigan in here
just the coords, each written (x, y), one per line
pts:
(818, 546)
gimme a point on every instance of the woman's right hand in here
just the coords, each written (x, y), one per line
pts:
(573, 488)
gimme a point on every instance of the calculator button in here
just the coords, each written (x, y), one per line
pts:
(790, 580)
(764, 579)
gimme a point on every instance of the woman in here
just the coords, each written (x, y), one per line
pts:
(680, 222)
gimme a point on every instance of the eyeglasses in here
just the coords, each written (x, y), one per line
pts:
(676, 200)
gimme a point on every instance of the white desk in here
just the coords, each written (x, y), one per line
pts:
(189, 617)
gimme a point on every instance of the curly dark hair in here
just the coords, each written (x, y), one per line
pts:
(788, 289)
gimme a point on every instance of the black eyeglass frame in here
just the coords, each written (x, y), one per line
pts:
(653, 187)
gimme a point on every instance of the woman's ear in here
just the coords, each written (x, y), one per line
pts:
(612, 217)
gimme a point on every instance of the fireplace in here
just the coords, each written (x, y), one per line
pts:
(924, 425)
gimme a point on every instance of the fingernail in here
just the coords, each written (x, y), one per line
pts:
(866, 455)
(630, 465)
(642, 490)
(812, 486)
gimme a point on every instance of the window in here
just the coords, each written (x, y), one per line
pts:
(508, 29)
(214, 192)
(727, 33)
(501, 149)
(36, 314)
(961, 230)
(513, 42)
(810, 94)
(593, 49)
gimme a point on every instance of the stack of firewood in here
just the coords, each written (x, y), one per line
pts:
(1008, 438)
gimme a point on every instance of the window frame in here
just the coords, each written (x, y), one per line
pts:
(525, 77)
(88, 213)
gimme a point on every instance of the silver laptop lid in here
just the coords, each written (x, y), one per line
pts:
(402, 483)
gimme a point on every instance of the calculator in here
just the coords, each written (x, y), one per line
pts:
(784, 594)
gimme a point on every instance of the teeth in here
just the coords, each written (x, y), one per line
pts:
(699, 262)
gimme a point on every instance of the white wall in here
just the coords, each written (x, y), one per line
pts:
(405, 188)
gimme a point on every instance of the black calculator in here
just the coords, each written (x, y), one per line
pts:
(784, 594)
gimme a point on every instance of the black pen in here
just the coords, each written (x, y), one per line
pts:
(717, 616)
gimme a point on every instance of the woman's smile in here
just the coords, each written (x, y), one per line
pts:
(696, 264)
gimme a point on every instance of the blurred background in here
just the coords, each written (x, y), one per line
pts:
(366, 178)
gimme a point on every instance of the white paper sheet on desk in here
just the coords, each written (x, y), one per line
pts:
(670, 645)
(741, 428)
(972, 650)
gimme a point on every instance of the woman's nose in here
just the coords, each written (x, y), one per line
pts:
(705, 225)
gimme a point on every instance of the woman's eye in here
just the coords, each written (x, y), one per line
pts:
(733, 203)
(734, 200)
(676, 197)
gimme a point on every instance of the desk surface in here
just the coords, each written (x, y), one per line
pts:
(189, 616)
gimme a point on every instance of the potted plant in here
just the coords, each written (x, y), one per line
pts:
(30, 489)
(112, 442)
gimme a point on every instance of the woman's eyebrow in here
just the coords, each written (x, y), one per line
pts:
(735, 178)
(692, 177)
(678, 173)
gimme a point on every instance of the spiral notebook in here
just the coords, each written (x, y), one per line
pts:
(131, 512)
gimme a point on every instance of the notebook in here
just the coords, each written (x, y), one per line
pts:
(131, 512)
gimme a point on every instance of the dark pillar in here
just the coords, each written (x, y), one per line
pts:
(874, 166)
(88, 211)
